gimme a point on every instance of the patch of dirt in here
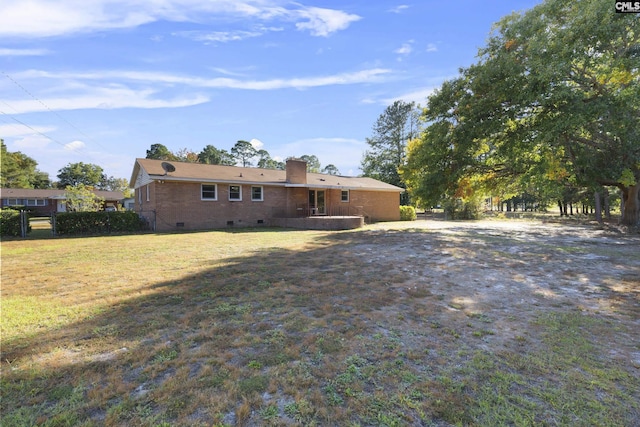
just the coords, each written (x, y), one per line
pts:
(505, 273)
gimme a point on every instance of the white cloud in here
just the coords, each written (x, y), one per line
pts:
(405, 49)
(95, 97)
(23, 52)
(225, 36)
(227, 72)
(256, 143)
(51, 154)
(137, 89)
(431, 47)
(33, 141)
(322, 22)
(44, 18)
(399, 9)
(363, 76)
(217, 36)
(418, 95)
(74, 146)
(38, 18)
(17, 130)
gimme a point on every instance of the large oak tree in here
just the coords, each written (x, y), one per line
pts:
(17, 170)
(554, 96)
(87, 174)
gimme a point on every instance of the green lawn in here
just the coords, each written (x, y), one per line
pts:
(279, 327)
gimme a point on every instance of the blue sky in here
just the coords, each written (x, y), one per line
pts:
(100, 81)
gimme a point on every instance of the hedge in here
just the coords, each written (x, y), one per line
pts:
(465, 210)
(10, 223)
(408, 213)
(98, 222)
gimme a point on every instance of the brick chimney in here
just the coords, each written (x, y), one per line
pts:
(296, 171)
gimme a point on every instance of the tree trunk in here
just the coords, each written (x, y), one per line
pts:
(596, 198)
(607, 207)
(630, 205)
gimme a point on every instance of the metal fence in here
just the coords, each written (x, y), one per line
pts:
(24, 223)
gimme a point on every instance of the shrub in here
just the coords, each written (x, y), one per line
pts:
(462, 209)
(10, 223)
(97, 222)
(408, 213)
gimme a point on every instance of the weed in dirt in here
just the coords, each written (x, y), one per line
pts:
(253, 384)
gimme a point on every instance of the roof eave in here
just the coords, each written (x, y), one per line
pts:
(345, 187)
(213, 181)
(134, 174)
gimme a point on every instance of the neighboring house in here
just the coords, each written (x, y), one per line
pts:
(129, 203)
(46, 202)
(177, 195)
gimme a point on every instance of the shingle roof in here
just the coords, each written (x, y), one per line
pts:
(198, 172)
(30, 193)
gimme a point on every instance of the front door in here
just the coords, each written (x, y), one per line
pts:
(316, 202)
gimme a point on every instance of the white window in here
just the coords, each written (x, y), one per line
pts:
(235, 192)
(25, 202)
(148, 193)
(209, 192)
(344, 197)
(256, 193)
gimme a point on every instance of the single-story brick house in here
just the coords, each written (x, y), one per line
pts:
(46, 202)
(194, 196)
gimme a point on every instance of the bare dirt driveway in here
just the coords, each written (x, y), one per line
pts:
(510, 271)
